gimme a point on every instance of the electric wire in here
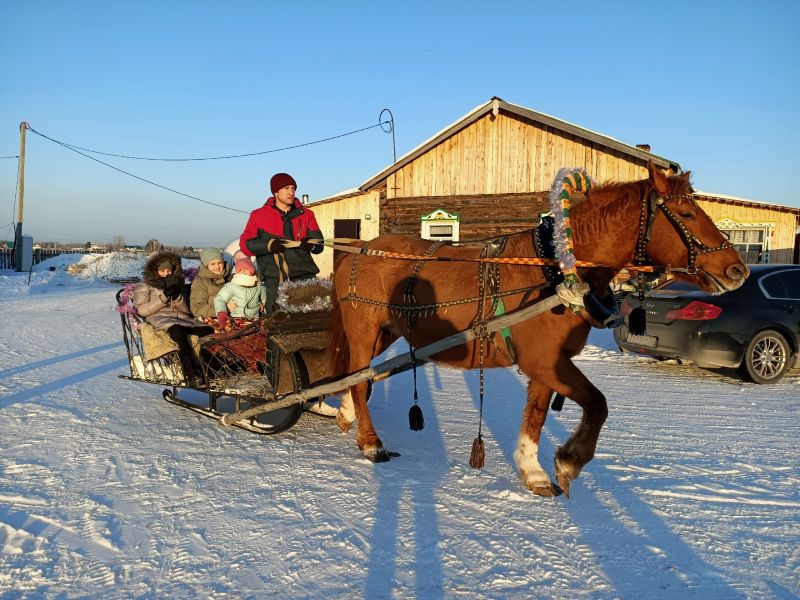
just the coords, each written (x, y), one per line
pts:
(129, 174)
(229, 156)
(80, 149)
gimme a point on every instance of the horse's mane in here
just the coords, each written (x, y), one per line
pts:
(608, 199)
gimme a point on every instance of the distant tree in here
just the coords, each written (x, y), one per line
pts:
(118, 242)
(152, 246)
(87, 245)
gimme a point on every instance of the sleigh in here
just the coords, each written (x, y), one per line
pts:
(251, 366)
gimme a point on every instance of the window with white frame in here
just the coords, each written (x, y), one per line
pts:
(751, 240)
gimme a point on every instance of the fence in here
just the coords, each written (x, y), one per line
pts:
(39, 254)
(42, 254)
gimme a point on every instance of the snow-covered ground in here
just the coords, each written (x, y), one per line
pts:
(107, 491)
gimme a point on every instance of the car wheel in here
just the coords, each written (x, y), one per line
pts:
(766, 357)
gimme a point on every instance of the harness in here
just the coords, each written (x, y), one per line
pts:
(651, 204)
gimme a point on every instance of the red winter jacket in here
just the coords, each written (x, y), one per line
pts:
(269, 222)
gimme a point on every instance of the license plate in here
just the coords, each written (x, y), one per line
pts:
(648, 341)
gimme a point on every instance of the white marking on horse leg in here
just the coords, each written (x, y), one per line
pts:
(527, 458)
(346, 413)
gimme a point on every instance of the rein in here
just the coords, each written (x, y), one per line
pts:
(338, 244)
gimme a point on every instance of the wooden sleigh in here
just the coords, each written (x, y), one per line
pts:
(244, 368)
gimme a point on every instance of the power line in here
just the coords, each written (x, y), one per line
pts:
(158, 185)
(327, 139)
(79, 149)
(12, 156)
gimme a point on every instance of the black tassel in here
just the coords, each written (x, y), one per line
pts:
(637, 321)
(415, 419)
(477, 455)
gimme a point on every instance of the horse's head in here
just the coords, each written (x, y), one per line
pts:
(675, 231)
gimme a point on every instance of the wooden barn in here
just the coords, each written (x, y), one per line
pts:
(489, 173)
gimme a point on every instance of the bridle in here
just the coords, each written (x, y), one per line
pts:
(651, 204)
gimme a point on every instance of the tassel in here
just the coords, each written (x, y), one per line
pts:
(637, 321)
(415, 419)
(477, 455)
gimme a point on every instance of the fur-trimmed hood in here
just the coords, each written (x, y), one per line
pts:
(150, 272)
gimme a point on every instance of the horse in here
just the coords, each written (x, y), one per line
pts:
(377, 300)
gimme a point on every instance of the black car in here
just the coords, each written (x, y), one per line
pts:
(755, 328)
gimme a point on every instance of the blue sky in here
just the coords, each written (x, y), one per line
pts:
(711, 85)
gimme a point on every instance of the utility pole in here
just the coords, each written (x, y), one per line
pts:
(21, 193)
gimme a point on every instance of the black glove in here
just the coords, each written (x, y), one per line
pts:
(306, 245)
(173, 287)
(276, 246)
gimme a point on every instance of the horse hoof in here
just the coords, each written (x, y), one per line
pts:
(564, 483)
(378, 455)
(342, 422)
(544, 489)
(567, 469)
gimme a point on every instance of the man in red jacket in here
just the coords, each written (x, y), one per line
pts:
(281, 218)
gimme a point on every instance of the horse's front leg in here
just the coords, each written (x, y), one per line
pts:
(526, 456)
(579, 448)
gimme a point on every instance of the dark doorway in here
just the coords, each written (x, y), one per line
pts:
(346, 228)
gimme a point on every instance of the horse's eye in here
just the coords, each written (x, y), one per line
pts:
(686, 215)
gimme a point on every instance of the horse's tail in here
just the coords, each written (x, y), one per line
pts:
(338, 344)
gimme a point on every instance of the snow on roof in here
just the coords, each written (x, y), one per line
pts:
(745, 200)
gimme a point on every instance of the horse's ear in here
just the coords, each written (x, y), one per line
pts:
(687, 179)
(657, 178)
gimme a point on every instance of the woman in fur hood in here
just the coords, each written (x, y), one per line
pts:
(160, 299)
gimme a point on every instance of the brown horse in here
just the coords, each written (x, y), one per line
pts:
(375, 300)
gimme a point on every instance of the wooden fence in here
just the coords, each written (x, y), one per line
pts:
(42, 254)
(39, 255)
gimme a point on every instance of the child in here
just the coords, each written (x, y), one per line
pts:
(213, 274)
(242, 294)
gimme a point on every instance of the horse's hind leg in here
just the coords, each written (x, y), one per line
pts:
(579, 448)
(354, 402)
(527, 453)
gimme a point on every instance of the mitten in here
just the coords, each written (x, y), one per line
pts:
(276, 246)
(222, 319)
(172, 287)
(172, 291)
(306, 245)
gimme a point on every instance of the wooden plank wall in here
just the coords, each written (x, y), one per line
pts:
(356, 207)
(785, 223)
(481, 216)
(507, 155)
